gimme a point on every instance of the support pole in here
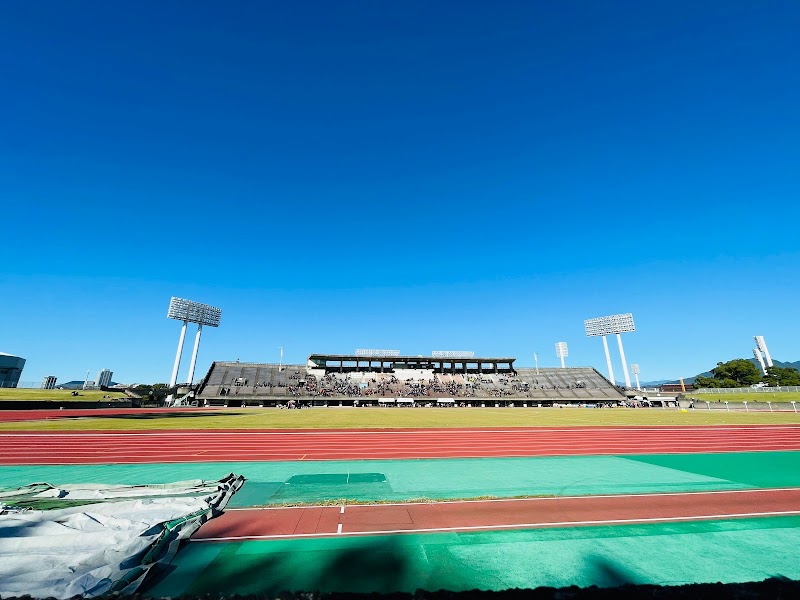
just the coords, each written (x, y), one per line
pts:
(760, 359)
(608, 361)
(767, 356)
(636, 375)
(563, 366)
(194, 353)
(624, 364)
(174, 379)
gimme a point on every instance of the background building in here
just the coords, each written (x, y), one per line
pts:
(49, 382)
(104, 378)
(10, 369)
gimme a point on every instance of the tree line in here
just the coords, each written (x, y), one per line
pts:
(741, 372)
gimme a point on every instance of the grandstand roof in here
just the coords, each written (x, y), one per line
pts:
(408, 358)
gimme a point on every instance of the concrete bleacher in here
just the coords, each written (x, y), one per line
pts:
(265, 384)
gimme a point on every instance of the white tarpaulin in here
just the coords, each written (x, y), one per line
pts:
(106, 546)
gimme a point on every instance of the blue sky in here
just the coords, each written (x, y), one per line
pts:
(411, 175)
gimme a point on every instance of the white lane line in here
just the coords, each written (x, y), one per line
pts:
(506, 527)
(578, 429)
(245, 455)
(110, 441)
(341, 512)
(340, 458)
(339, 529)
(408, 448)
(453, 445)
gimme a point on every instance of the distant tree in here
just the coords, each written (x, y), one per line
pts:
(710, 382)
(782, 376)
(739, 372)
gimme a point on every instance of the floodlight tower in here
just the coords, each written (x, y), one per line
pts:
(190, 312)
(762, 346)
(615, 324)
(635, 369)
(562, 352)
(760, 359)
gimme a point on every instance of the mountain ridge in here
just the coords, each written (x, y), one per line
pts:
(689, 380)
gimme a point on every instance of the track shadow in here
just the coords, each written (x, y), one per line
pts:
(148, 416)
(382, 566)
(373, 566)
(607, 573)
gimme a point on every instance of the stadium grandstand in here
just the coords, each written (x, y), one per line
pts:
(351, 380)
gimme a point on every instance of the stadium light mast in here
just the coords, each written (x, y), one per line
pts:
(280, 363)
(193, 362)
(624, 364)
(616, 324)
(562, 352)
(762, 346)
(635, 369)
(760, 359)
(536, 361)
(190, 312)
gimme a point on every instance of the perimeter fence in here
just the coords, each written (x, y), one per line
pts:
(747, 390)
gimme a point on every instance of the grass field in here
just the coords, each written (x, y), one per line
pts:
(370, 418)
(55, 395)
(748, 396)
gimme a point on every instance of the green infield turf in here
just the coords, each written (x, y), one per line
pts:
(56, 395)
(760, 397)
(376, 418)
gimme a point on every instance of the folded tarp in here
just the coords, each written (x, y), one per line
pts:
(29, 495)
(103, 547)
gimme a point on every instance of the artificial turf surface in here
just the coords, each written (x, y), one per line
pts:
(729, 551)
(314, 482)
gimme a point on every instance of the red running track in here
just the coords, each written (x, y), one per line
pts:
(377, 519)
(29, 448)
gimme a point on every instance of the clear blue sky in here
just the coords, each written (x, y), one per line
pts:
(412, 175)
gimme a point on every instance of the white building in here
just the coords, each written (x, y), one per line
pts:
(104, 378)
